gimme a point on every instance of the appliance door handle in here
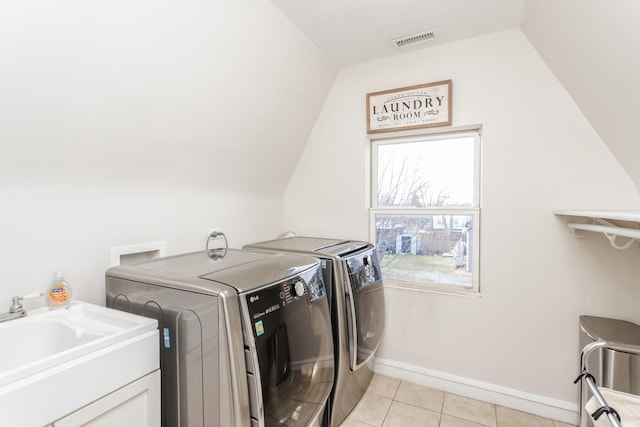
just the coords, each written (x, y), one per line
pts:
(352, 325)
(282, 361)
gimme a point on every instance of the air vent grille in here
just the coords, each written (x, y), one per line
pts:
(412, 39)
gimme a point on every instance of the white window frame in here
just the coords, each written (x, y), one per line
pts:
(473, 211)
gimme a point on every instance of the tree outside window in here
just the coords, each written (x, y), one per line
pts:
(425, 210)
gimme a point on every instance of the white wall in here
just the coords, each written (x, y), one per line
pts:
(587, 45)
(539, 154)
(131, 122)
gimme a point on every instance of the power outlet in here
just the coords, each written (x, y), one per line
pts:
(216, 229)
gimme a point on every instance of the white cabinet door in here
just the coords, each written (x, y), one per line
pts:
(134, 405)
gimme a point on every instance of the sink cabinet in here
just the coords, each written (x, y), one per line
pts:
(135, 405)
(110, 381)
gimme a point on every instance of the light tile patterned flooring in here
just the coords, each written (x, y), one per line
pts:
(390, 402)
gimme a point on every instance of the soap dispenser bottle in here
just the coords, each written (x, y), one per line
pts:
(59, 293)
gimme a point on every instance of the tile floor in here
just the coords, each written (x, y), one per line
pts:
(390, 402)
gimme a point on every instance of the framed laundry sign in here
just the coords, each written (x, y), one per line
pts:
(411, 107)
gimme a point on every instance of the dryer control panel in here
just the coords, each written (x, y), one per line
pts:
(364, 270)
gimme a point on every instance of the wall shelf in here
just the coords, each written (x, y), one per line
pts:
(615, 225)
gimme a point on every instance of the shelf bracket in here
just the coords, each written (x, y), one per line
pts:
(612, 241)
(578, 233)
(612, 237)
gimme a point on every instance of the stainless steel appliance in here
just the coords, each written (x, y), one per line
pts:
(245, 336)
(352, 273)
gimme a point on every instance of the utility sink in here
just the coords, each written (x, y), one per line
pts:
(48, 338)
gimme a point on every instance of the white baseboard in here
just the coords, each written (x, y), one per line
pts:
(555, 409)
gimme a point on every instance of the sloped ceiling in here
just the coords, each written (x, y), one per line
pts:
(356, 31)
(592, 47)
(156, 94)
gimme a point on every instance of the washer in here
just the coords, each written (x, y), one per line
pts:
(352, 273)
(245, 337)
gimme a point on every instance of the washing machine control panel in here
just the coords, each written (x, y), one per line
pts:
(296, 288)
(308, 286)
(299, 288)
(316, 286)
(291, 290)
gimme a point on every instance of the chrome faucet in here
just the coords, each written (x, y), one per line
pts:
(17, 310)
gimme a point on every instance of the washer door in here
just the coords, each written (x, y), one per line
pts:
(291, 343)
(365, 306)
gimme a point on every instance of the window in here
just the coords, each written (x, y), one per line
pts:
(425, 209)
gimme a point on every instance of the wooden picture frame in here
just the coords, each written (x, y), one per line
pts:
(411, 107)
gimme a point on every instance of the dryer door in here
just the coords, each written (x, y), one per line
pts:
(365, 306)
(290, 341)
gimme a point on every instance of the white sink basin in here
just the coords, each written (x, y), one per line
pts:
(47, 338)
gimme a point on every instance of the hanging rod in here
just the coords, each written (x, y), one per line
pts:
(600, 223)
(611, 232)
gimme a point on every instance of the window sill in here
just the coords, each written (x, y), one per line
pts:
(432, 288)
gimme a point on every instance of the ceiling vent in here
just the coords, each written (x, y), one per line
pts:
(420, 37)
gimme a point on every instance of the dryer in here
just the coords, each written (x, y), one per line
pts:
(353, 277)
(245, 337)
